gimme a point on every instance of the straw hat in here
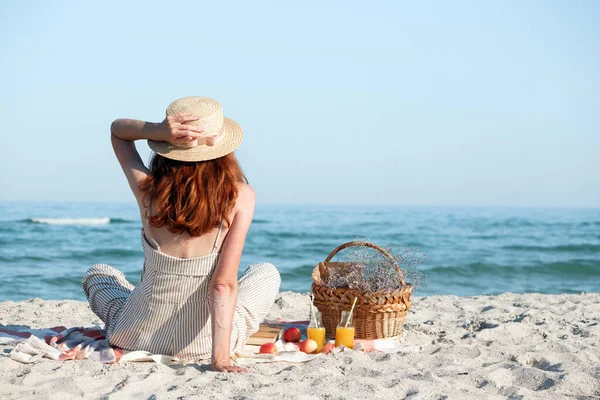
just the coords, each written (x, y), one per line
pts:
(227, 133)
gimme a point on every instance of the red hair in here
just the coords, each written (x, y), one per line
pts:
(192, 197)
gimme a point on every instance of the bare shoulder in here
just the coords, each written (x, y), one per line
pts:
(246, 198)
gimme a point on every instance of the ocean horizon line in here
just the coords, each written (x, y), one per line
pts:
(336, 205)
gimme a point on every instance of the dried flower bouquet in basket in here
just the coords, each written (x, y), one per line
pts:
(375, 279)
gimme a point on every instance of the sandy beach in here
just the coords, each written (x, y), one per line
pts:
(512, 346)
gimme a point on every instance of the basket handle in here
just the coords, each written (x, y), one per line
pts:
(365, 244)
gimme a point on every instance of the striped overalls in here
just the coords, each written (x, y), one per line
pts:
(168, 311)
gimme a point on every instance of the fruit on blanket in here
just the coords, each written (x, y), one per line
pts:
(328, 348)
(292, 334)
(309, 346)
(268, 348)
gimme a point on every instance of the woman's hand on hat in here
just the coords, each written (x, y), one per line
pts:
(175, 130)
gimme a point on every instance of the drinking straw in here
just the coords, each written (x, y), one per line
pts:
(352, 309)
(312, 311)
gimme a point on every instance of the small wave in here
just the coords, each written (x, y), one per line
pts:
(121, 221)
(70, 221)
(484, 237)
(590, 223)
(100, 254)
(580, 268)
(512, 223)
(20, 258)
(114, 252)
(285, 235)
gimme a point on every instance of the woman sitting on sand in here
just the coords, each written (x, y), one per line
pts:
(196, 209)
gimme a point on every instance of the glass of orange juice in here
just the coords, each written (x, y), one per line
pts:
(344, 333)
(316, 330)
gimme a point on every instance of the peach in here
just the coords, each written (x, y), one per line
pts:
(328, 348)
(292, 334)
(309, 346)
(268, 348)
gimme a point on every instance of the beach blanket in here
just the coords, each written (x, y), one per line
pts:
(61, 343)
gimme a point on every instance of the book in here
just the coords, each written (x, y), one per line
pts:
(266, 334)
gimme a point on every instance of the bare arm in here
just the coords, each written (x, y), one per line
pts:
(125, 131)
(224, 284)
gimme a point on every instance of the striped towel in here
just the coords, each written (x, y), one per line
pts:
(60, 343)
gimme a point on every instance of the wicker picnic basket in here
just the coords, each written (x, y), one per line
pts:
(376, 315)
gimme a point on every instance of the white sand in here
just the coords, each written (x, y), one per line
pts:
(509, 346)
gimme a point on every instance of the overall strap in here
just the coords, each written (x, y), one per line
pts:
(145, 223)
(217, 238)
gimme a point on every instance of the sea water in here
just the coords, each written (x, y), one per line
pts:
(45, 248)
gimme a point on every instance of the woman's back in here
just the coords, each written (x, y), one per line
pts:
(183, 245)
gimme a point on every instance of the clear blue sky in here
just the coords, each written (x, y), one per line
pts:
(382, 102)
